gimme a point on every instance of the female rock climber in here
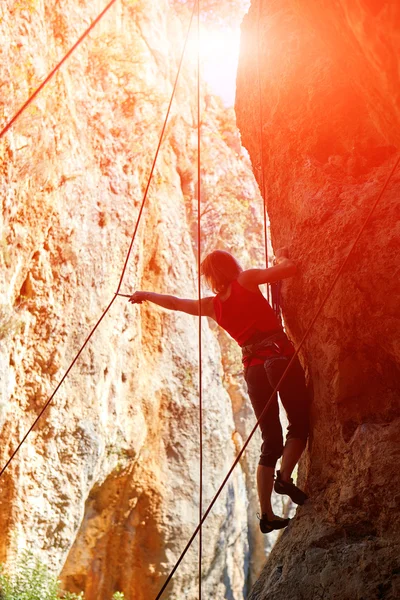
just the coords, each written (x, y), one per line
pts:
(241, 309)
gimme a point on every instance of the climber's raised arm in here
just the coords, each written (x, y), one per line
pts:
(254, 277)
(188, 306)
(282, 269)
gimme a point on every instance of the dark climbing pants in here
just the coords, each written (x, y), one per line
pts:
(261, 381)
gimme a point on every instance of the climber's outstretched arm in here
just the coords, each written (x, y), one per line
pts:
(188, 306)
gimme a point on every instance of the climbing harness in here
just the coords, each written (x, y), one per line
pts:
(269, 348)
(275, 342)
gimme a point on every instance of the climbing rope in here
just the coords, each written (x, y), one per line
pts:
(199, 236)
(261, 142)
(278, 385)
(46, 405)
(55, 69)
(273, 289)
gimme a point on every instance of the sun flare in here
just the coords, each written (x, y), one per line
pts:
(219, 54)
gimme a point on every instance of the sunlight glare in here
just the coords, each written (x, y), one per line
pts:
(219, 52)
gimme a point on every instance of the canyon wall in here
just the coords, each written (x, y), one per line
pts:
(329, 91)
(105, 489)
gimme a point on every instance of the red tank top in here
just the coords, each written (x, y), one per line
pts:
(244, 313)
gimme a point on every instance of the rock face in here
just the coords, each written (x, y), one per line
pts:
(105, 489)
(330, 111)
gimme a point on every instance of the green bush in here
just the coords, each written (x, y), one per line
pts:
(32, 580)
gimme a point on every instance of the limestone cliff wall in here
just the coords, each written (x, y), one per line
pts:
(330, 106)
(105, 490)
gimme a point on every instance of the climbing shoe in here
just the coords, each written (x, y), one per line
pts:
(267, 526)
(289, 489)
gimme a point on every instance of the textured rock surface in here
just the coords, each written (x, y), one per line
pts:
(106, 487)
(330, 105)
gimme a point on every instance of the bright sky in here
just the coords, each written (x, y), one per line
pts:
(220, 52)
(219, 49)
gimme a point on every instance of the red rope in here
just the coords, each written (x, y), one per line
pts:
(57, 388)
(158, 149)
(262, 145)
(284, 375)
(55, 69)
(125, 264)
(199, 298)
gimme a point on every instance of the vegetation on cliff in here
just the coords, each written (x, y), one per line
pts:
(30, 579)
